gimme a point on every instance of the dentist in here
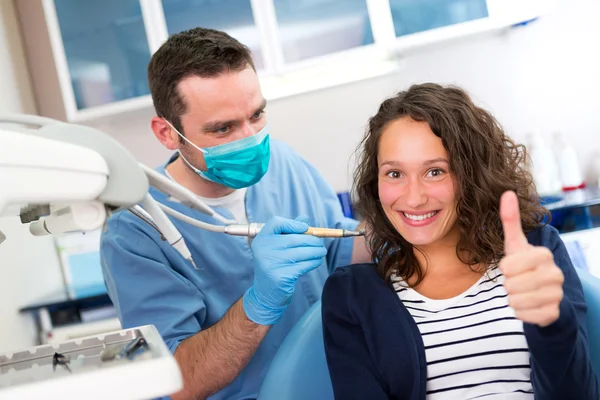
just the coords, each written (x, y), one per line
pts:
(225, 320)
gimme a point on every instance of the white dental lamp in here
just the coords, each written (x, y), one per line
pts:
(59, 178)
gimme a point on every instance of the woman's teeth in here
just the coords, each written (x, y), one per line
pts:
(419, 217)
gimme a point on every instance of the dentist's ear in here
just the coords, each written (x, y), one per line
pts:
(165, 133)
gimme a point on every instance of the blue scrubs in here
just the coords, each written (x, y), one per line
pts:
(151, 283)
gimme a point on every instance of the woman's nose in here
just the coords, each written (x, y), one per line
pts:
(416, 194)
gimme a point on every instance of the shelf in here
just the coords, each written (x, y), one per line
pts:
(587, 197)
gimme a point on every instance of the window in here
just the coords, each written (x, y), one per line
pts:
(106, 49)
(297, 45)
(232, 16)
(311, 28)
(412, 16)
(302, 45)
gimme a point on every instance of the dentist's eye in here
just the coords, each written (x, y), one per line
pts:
(258, 114)
(223, 129)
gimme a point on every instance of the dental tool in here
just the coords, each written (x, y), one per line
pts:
(167, 229)
(252, 229)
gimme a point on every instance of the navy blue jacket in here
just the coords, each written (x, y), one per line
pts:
(375, 351)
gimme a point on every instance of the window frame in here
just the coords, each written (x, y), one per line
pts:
(283, 79)
(386, 51)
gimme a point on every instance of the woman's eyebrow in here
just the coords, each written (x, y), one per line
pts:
(427, 162)
(435, 160)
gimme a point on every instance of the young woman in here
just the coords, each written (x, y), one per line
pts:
(469, 295)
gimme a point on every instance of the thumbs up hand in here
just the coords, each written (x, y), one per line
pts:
(531, 278)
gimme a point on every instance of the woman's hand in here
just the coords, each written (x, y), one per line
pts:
(531, 278)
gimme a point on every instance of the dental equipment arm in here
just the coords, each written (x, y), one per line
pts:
(64, 178)
(67, 177)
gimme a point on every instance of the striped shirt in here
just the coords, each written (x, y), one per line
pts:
(474, 346)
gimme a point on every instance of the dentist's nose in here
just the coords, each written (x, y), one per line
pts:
(248, 130)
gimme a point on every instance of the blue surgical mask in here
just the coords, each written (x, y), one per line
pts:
(237, 164)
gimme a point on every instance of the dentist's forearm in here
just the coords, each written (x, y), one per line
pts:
(213, 358)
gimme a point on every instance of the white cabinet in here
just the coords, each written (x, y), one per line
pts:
(88, 58)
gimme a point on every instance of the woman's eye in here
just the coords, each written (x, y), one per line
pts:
(434, 173)
(393, 174)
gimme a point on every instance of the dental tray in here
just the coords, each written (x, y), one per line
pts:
(94, 367)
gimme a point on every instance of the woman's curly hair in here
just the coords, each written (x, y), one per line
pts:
(484, 163)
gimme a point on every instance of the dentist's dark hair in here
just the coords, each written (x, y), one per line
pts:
(202, 52)
(484, 163)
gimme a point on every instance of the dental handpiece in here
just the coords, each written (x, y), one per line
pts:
(252, 229)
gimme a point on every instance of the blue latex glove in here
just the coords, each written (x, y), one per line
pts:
(281, 256)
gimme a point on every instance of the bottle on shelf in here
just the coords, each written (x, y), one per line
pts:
(543, 167)
(568, 164)
(596, 168)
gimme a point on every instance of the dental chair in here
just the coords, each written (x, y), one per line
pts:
(591, 291)
(299, 369)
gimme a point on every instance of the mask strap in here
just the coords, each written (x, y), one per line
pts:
(184, 138)
(187, 162)
(196, 170)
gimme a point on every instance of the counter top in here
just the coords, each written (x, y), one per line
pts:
(586, 197)
(62, 300)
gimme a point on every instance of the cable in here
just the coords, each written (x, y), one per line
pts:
(182, 194)
(144, 216)
(192, 221)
